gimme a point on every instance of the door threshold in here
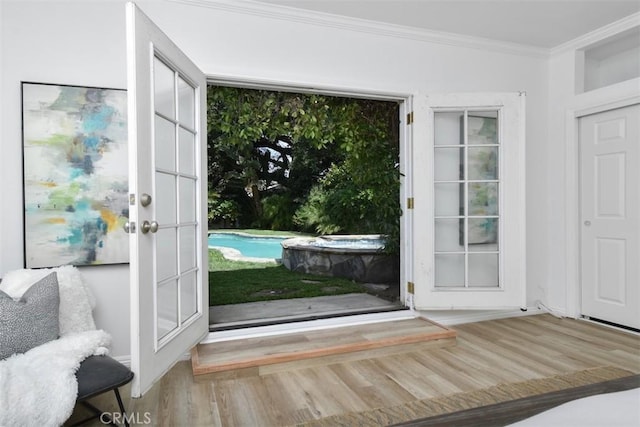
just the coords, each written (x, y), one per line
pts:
(262, 355)
(308, 325)
(611, 324)
(261, 313)
(254, 323)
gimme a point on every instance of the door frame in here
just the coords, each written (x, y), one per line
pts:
(405, 101)
(573, 256)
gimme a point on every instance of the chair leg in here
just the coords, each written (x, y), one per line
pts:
(126, 421)
(104, 417)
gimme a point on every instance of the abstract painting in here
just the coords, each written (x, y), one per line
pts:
(482, 165)
(75, 175)
(483, 200)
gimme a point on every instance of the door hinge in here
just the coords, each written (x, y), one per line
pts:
(409, 202)
(132, 199)
(410, 288)
(409, 118)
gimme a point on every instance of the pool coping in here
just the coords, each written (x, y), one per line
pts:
(235, 255)
(240, 233)
(302, 243)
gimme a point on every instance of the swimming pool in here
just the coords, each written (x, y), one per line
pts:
(249, 246)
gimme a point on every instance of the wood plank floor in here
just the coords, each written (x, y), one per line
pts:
(487, 353)
(350, 342)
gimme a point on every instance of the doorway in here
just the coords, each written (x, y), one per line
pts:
(610, 216)
(286, 164)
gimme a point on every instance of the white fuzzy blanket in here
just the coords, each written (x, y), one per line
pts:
(39, 387)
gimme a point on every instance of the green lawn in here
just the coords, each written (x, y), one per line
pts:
(235, 282)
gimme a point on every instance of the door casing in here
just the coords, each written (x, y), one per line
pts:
(405, 101)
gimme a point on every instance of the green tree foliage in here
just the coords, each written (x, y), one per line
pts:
(251, 136)
(360, 195)
(303, 161)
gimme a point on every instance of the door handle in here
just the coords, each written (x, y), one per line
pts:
(587, 223)
(145, 200)
(147, 226)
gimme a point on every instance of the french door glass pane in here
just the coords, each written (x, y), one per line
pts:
(165, 135)
(482, 127)
(166, 250)
(186, 106)
(483, 199)
(483, 270)
(188, 296)
(187, 152)
(447, 126)
(447, 164)
(483, 234)
(482, 163)
(167, 306)
(187, 248)
(449, 270)
(166, 198)
(164, 89)
(187, 200)
(447, 199)
(448, 233)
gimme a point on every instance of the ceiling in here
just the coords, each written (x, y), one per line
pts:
(537, 23)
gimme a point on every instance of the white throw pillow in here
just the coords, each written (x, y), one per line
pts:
(76, 300)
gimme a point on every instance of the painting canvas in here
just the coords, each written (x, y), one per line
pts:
(75, 175)
(483, 200)
(482, 165)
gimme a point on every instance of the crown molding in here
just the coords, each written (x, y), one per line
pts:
(292, 14)
(600, 34)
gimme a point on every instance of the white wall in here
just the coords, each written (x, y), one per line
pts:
(83, 43)
(2, 38)
(79, 43)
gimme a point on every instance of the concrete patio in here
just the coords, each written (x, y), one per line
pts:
(224, 317)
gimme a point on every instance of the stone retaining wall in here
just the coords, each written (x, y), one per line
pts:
(362, 266)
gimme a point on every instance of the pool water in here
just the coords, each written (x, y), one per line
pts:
(254, 247)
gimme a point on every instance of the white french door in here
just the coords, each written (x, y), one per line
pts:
(469, 210)
(168, 199)
(610, 211)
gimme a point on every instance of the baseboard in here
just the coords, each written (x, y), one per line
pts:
(125, 360)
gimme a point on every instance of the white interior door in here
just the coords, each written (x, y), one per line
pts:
(168, 195)
(469, 192)
(610, 210)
